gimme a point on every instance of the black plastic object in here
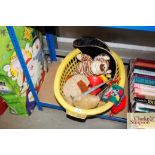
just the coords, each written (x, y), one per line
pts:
(93, 47)
(89, 41)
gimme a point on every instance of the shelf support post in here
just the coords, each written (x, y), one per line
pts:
(51, 43)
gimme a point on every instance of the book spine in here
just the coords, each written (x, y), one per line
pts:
(144, 110)
(144, 76)
(144, 72)
(137, 85)
(143, 105)
(144, 81)
(143, 88)
(145, 64)
(145, 61)
(144, 91)
(144, 68)
(144, 95)
(146, 101)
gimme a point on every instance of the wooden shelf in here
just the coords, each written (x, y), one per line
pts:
(46, 93)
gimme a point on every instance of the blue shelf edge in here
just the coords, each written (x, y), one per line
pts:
(112, 118)
(102, 116)
(52, 106)
(139, 28)
(51, 46)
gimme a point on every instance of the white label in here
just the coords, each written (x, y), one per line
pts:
(77, 110)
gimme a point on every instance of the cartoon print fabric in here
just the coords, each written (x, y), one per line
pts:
(14, 88)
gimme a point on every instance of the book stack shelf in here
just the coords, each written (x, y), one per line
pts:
(142, 86)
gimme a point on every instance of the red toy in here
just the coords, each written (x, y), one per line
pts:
(94, 81)
(3, 106)
(117, 108)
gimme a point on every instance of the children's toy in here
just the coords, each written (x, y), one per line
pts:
(67, 68)
(86, 102)
(95, 47)
(73, 88)
(116, 96)
(94, 81)
(84, 57)
(104, 59)
(76, 91)
(117, 108)
(14, 88)
(98, 66)
(90, 90)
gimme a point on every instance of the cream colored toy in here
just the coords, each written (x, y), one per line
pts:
(86, 102)
(88, 66)
(71, 88)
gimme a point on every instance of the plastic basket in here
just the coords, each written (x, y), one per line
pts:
(67, 66)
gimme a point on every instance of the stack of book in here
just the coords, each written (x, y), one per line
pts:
(142, 85)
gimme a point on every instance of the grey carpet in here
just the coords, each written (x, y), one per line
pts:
(54, 119)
